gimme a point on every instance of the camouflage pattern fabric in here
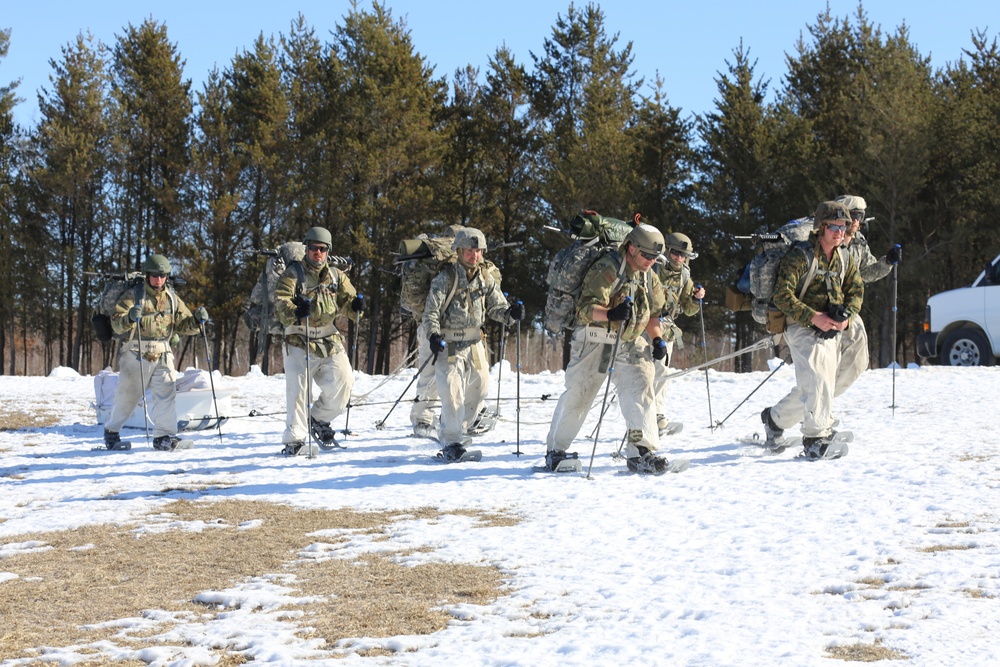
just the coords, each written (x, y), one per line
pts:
(826, 287)
(331, 292)
(163, 315)
(644, 288)
(476, 296)
(678, 290)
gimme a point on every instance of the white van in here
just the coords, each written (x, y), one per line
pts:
(962, 326)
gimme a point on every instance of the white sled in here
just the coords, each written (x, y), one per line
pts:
(195, 409)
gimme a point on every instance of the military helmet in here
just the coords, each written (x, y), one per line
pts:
(646, 238)
(156, 265)
(852, 202)
(318, 235)
(451, 230)
(469, 237)
(681, 243)
(830, 211)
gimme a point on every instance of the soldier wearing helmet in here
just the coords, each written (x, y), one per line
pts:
(461, 297)
(308, 298)
(621, 299)
(680, 297)
(146, 319)
(853, 341)
(820, 290)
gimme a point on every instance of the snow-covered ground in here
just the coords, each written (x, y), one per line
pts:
(744, 559)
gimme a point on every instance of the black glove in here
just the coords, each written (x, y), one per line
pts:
(516, 311)
(659, 349)
(303, 307)
(895, 254)
(358, 305)
(837, 312)
(622, 311)
(437, 344)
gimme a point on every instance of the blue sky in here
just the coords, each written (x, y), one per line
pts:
(687, 42)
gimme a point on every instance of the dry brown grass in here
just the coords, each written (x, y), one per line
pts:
(15, 420)
(125, 571)
(865, 653)
(944, 547)
(956, 524)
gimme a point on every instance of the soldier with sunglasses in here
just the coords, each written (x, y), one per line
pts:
(308, 298)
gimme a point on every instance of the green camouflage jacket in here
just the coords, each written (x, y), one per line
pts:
(331, 292)
(164, 314)
(825, 288)
(475, 295)
(644, 288)
(678, 289)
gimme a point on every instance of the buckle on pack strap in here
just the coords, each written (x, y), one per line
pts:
(314, 332)
(149, 347)
(461, 335)
(600, 335)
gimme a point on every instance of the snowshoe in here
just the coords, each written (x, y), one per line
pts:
(833, 446)
(324, 434)
(169, 443)
(456, 453)
(300, 448)
(114, 442)
(668, 427)
(649, 463)
(484, 422)
(556, 461)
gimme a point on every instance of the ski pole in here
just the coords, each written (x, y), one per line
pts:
(211, 380)
(380, 424)
(895, 288)
(607, 388)
(503, 351)
(310, 452)
(770, 375)
(704, 347)
(517, 341)
(354, 353)
(142, 378)
(762, 344)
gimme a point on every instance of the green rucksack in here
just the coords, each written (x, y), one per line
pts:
(591, 236)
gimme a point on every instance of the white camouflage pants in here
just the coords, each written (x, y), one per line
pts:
(815, 361)
(632, 376)
(159, 377)
(462, 382)
(422, 410)
(335, 379)
(660, 380)
(853, 361)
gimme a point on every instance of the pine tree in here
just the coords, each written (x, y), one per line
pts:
(8, 219)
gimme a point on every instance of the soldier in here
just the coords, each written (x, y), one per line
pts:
(461, 297)
(681, 297)
(153, 314)
(313, 294)
(819, 289)
(853, 342)
(619, 294)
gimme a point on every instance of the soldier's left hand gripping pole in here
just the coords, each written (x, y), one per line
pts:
(142, 376)
(704, 347)
(607, 387)
(211, 377)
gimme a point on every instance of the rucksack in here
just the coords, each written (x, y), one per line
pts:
(104, 306)
(258, 311)
(418, 262)
(592, 236)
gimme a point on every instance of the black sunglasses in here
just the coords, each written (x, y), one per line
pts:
(319, 248)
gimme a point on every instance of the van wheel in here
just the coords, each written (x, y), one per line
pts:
(966, 347)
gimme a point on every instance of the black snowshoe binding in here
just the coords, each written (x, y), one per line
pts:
(556, 461)
(456, 453)
(299, 448)
(165, 443)
(650, 463)
(113, 441)
(324, 434)
(832, 446)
